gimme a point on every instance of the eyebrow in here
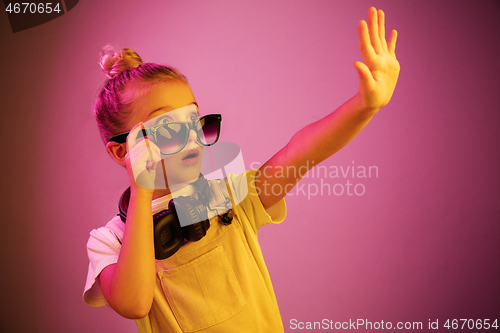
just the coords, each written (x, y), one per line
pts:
(168, 106)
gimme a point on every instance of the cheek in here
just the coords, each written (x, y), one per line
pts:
(173, 165)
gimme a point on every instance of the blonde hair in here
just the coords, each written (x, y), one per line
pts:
(129, 79)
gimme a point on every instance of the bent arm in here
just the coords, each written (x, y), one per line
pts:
(128, 285)
(308, 147)
(318, 141)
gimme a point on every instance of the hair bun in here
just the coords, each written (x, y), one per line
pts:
(114, 61)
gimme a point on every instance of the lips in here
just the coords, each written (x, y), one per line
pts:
(193, 153)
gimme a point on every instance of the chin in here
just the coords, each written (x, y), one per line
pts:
(189, 175)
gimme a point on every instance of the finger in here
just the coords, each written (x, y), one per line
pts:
(143, 161)
(146, 151)
(139, 149)
(156, 155)
(364, 74)
(132, 136)
(151, 158)
(381, 28)
(373, 29)
(365, 46)
(391, 45)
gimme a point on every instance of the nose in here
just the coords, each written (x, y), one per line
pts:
(192, 135)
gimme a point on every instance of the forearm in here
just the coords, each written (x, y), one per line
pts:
(310, 146)
(316, 142)
(130, 289)
(321, 139)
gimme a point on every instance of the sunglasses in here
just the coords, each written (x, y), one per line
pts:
(172, 137)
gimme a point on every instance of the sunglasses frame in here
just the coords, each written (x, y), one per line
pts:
(122, 138)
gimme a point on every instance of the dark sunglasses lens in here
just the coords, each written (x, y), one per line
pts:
(209, 132)
(170, 138)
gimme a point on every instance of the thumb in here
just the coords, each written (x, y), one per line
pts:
(366, 81)
(363, 71)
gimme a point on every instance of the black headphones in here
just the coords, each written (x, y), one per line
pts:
(169, 236)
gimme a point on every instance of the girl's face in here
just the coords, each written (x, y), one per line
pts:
(162, 105)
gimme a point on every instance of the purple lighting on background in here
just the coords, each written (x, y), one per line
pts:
(418, 244)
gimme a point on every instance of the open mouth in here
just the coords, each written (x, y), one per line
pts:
(191, 154)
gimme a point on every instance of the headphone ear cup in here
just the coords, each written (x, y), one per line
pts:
(188, 209)
(168, 235)
(123, 205)
(196, 231)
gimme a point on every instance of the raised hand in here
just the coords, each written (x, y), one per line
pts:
(142, 158)
(379, 72)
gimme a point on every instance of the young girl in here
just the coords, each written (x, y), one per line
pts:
(216, 280)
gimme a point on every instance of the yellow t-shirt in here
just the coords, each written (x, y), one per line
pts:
(218, 284)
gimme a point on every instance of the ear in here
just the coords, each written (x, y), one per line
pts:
(117, 151)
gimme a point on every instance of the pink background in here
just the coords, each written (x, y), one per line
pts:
(420, 244)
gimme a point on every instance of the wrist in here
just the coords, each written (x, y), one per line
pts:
(141, 193)
(362, 107)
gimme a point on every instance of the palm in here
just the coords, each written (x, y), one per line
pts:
(379, 72)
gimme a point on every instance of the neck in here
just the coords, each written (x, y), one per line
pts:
(160, 193)
(182, 187)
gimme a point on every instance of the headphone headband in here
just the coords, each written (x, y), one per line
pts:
(169, 236)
